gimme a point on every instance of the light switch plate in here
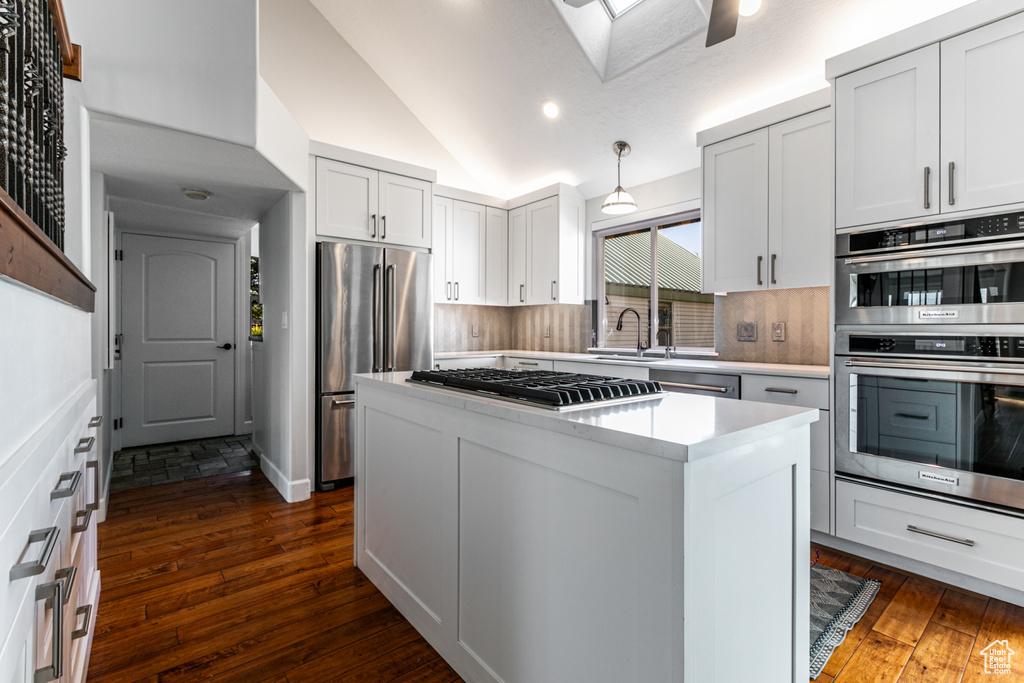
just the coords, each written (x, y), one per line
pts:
(746, 332)
(547, 331)
(779, 332)
(475, 330)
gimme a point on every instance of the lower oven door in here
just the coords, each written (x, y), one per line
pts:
(952, 428)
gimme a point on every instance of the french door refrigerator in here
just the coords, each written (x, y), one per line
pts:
(374, 314)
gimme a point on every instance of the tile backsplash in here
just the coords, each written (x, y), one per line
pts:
(518, 327)
(804, 312)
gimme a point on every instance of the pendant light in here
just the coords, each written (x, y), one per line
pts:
(619, 202)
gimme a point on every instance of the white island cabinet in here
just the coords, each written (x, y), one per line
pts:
(636, 542)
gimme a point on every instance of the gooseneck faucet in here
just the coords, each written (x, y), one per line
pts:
(618, 328)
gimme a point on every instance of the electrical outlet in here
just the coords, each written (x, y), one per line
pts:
(284, 320)
(746, 332)
(475, 330)
(547, 331)
(779, 332)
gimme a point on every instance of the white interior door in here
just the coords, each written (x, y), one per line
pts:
(177, 315)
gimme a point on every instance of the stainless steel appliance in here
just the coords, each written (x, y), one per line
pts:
(374, 314)
(542, 388)
(700, 383)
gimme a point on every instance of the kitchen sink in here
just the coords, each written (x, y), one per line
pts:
(632, 359)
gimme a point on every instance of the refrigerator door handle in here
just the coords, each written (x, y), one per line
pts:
(376, 367)
(392, 317)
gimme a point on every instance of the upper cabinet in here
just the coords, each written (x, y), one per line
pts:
(932, 131)
(470, 253)
(767, 207)
(353, 202)
(546, 251)
(496, 288)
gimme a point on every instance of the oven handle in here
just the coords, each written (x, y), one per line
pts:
(902, 255)
(943, 368)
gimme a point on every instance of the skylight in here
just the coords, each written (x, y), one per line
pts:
(617, 7)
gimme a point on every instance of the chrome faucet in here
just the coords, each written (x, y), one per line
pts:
(618, 328)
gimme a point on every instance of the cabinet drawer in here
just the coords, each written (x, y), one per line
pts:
(602, 369)
(790, 391)
(820, 501)
(528, 363)
(982, 544)
(467, 363)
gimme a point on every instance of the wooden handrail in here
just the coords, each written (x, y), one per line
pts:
(71, 54)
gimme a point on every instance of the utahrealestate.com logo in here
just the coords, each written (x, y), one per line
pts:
(998, 657)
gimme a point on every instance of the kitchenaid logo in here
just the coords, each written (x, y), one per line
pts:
(998, 657)
(927, 315)
(940, 478)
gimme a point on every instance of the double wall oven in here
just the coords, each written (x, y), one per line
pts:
(929, 358)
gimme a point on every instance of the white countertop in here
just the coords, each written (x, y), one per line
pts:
(677, 426)
(700, 365)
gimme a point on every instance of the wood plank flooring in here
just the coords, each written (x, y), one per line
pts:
(918, 631)
(220, 579)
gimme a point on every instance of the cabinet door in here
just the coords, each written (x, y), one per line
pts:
(441, 236)
(982, 135)
(469, 252)
(346, 201)
(887, 140)
(517, 257)
(542, 251)
(735, 214)
(800, 201)
(405, 210)
(496, 288)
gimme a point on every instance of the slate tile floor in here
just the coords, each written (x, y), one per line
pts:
(171, 462)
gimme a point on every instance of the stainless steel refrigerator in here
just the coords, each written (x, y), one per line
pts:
(374, 314)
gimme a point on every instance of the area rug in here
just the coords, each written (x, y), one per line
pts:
(838, 601)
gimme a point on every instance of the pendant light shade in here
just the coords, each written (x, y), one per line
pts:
(619, 202)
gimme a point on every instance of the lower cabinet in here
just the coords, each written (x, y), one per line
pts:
(469, 362)
(528, 363)
(601, 369)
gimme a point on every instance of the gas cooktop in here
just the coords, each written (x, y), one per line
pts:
(542, 388)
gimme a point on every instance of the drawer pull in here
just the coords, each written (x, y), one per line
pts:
(79, 528)
(85, 444)
(96, 421)
(36, 566)
(84, 631)
(74, 477)
(94, 465)
(944, 537)
(698, 387)
(912, 416)
(779, 390)
(67, 575)
(527, 362)
(51, 593)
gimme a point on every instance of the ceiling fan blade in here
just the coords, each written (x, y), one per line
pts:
(722, 23)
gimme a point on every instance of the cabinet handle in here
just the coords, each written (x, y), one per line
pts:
(527, 362)
(94, 465)
(522, 294)
(911, 416)
(72, 489)
(448, 291)
(84, 631)
(51, 592)
(935, 534)
(759, 259)
(779, 390)
(952, 199)
(38, 565)
(85, 444)
(79, 528)
(456, 291)
(96, 421)
(773, 269)
(67, 575)
(383, 226)
(554, 283)
(373, 229)
(927, 187)
(698, 387)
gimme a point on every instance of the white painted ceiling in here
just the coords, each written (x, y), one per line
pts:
(475, 73)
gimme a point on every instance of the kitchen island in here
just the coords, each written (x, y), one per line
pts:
(665, 540)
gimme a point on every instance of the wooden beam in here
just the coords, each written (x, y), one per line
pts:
(30, 257)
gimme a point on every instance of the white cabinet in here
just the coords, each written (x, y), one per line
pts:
(546, 252)
(359, 203)
(932, 131)
(767, 207)
(470, 252)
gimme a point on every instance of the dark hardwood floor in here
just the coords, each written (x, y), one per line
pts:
(220, 579)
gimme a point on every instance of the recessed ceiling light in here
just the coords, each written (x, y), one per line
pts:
(550, 109)
(196, 193)
(749, 7)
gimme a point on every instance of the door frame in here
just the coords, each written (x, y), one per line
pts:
(243, 377)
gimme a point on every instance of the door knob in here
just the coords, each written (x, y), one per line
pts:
(226, 347)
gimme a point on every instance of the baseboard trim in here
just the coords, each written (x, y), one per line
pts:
(291, 491)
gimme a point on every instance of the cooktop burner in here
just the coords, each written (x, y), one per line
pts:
(542, 388)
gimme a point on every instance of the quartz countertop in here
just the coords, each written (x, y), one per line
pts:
(677, 426)
(700, 365)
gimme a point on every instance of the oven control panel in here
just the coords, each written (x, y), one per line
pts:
(932, 345)
(936, 234)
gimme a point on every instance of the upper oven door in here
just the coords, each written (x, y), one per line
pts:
(976, 284)
(954, 428)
